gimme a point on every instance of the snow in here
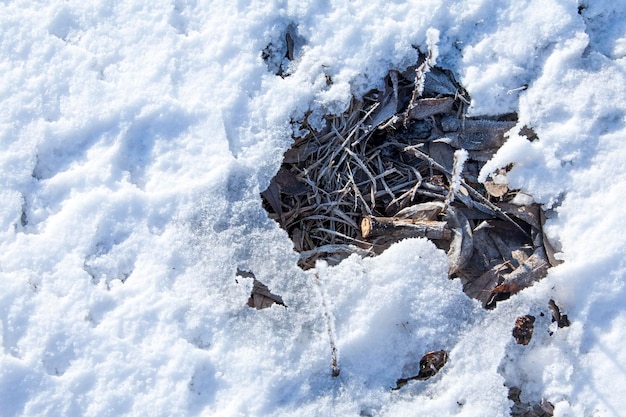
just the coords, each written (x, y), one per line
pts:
(135, 139)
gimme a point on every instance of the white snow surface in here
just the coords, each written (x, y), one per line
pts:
(135, 138)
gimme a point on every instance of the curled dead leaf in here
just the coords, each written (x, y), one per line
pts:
(523, 330)
(560, 319)
(461, 246)
(430, 364)
(260, 297)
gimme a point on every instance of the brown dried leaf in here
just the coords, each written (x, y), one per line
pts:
(260, 297)
(461, 246)
(442, 153)
(481, 287)
(561, 320)
(521, 409)
(298, 154)
(430, 364)
(508, 246)
(485, 246)
(272, 196)
(298, 239)
(529, 214)
(438, 82)
(289, 183)
(523, 330)
(290, 45)
(547, 244)
(531, 271)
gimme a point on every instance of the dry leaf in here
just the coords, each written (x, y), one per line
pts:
(272, 196)
(430, 364)
(289, 183)
(440, 82)
(561, 320)
(427, 107)
(461, 246)
(527, 213)
(481, 287)
(520, 409)
(442, 153)
(531, 271)
(423, 211)
(388, 102)
(495, 189)
(297, 154)
(260, 297)
(290, 45)
(523, 330)
(474, 135)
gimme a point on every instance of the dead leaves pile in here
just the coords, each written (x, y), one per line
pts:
(382, 172)
(404, 162)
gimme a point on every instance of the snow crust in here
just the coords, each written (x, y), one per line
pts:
(135, 138)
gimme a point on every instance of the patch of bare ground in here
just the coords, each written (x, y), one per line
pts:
(404, 162)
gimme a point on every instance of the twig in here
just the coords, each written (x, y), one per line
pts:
(401, 227)
(469, 189)
(330, 328)
(460, 156)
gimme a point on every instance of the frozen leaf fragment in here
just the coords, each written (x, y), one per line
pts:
(523, 330)
(532, 270)
(428, 107)
(260, 297)
(290, 45)
(272, 196)
(288, 183)
(522, 409)
(496, 189)
(430, 364)
(560, 319)
(461, 245)
(480, 288)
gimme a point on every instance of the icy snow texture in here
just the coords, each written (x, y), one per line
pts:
(135, 138)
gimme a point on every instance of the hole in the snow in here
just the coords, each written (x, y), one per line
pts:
(280, 55)
(404, 162)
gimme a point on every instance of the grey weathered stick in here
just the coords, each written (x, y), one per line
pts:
(372, 226)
